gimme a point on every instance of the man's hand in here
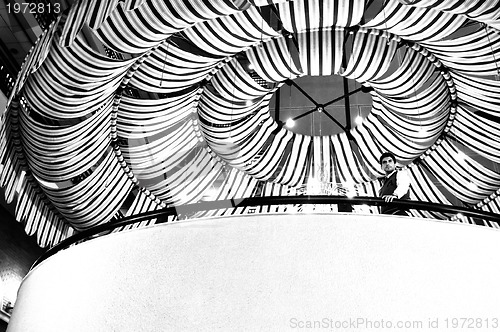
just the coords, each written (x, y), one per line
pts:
(389, 198)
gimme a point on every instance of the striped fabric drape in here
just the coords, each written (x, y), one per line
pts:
(478, 93)
(183, 70)
(231, 34)
(457, 174)
(457, 53)
(478, 134)
(33, 207)
(482, 11)
(142, 203)
(74, 82)
(233, 82)
(135, 31)
(371, 56)
(127, 106)
(417, 24)
(302, 15)
(36, 56)
(321, 51)
(423, 189)
(94, 200)
(91, 12)
(138, 118)
(273, 61)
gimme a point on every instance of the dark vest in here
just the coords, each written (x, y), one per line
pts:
(388, 187)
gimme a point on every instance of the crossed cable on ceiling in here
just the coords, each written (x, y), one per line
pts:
(321, 108)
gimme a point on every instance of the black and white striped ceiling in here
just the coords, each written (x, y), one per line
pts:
(175, 117)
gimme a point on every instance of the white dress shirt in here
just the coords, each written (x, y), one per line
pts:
(403, 181)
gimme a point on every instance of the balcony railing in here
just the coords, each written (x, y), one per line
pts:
(163, 215)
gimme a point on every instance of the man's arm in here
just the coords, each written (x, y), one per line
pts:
(403, 181)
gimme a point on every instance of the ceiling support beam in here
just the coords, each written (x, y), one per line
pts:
(277, 105)
(291, 82)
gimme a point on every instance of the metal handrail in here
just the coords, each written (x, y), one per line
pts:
(162, 214)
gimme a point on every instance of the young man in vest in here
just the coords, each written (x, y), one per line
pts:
(396, 184)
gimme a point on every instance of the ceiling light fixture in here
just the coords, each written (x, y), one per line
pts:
(358, 120)
(290, 123)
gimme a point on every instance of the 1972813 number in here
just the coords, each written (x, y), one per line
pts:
(471, 323)
(33, 8)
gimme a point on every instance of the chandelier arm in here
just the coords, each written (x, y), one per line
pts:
(343, 96)
(304, 114)
(334, 120)
(290, 82)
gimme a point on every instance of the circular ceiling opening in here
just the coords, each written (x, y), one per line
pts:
(313, 106)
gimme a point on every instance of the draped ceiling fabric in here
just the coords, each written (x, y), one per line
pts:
(178, 118)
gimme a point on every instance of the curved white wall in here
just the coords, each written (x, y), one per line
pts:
(271, 272)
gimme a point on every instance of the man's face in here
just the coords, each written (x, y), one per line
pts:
(388, 165)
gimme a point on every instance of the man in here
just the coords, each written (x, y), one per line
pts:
(396, 184)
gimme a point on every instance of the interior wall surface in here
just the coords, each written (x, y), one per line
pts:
(275, 272)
